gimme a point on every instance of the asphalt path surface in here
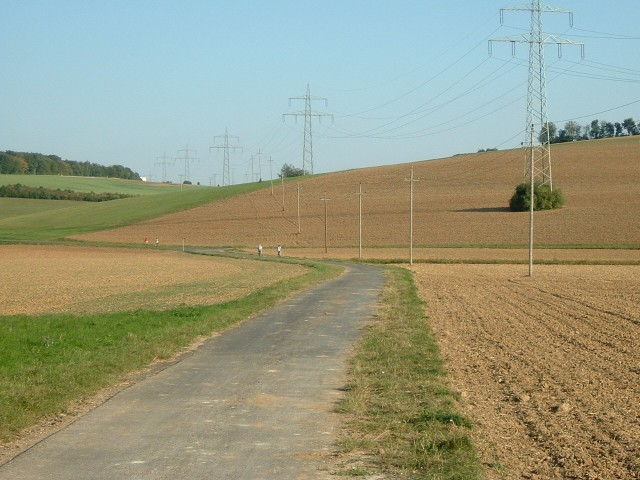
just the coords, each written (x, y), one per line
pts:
(252, 403)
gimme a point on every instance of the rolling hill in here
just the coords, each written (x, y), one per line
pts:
(458, 201)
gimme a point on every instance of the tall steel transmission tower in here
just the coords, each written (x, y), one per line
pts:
(309, 114)
(187, 158)
(538, 151)
(163, 161)
(226, 175)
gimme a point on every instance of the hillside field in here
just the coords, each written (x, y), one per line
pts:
(32, 220)
(546, 367)
(458, 201)
(89, 184)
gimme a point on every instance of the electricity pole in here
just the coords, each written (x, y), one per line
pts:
(298, 191)
(325, 200)
(226, 171)
(531, 205)
(537, 87)
(309, 114)
(259, 155)
(282, 183)
(360, 193)
(163, 161)
(271, 173)
(411, 180)
(187, 160)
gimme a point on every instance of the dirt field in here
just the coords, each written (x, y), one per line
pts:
(473, 254)
(55, 279)
(461, 200)
(547, 366)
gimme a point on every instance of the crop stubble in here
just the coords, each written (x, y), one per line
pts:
(58, 279)
(548, 366)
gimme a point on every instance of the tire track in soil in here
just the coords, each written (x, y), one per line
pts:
(548, 370)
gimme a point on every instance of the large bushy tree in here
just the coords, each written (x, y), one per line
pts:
(291, 171)
(543, 198)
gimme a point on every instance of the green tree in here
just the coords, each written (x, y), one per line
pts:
(291, 171)
(572, 130)
(630, 126)
(12, 164)
(595, 130)
(543, 198)
(608, 129)
(542, 137)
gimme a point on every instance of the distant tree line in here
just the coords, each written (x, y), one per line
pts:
(24, 191)
(39, 164)
(596, 129)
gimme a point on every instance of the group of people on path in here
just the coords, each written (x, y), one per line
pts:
(278, 250)
(146, 242)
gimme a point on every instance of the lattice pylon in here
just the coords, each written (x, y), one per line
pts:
(537, 120)
(537, 106)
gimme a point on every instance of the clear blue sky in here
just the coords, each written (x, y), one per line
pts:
(126, 81)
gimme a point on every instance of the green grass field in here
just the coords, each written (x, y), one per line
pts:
(27, 220)
(91, 184)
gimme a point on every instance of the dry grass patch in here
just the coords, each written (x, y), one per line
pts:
(81, 280)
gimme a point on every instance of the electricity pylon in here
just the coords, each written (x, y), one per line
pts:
(163, 162)
(187, 160)
(307, 149)
(225, 148)
(538, 153)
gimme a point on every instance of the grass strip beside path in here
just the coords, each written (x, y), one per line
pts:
(401, 416)
(48, 363)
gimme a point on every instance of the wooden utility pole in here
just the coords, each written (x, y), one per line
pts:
(531, 201)
(298, 192)
(411, 180)
(271, 173)
(360, 194)
(325, 200)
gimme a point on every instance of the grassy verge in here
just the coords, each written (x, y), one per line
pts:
(402, 418)
(49, 362)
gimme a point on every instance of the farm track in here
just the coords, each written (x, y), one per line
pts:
(547, 367)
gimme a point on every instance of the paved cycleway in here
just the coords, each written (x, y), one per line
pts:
(252, 403)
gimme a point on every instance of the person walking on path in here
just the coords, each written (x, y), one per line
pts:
(279, 250)
(157, 242)
(259, 249)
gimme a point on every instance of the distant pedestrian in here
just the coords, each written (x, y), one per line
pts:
(146, 242)
(259, 249)
(157, 242)
(279, 250)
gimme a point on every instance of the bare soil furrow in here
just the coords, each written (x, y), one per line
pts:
(547, 366)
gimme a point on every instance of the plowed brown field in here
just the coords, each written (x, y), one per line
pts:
(56, 279)
(548, 366)
(457, 201)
